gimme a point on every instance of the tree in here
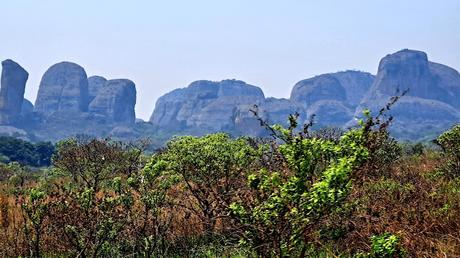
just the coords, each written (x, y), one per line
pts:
(94, 205)
(450, 144)
(211, 169)
(285, 205)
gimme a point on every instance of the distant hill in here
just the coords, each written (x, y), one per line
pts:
(69, 103)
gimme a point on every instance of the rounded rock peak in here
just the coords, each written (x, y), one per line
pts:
(65, 65)
(405, 56)
(63, 87)
(322, 87)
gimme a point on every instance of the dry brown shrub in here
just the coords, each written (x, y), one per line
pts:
(409, 200)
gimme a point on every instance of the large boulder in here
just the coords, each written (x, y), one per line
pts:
(431, 103)
(116, 101)
(64, 87)
(13, 83)
(205, 106)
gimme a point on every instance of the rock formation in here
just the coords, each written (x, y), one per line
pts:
(13, 83)
(64, 87)
(431, 104)
(95, 84)
(115, 101)
(68, 103)
(205, 105)
(333, 97)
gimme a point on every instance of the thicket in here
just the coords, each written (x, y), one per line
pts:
(24, 152)
(356, 193)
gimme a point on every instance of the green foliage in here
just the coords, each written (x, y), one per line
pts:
(26, 153)
(34, 211)
(386, 245)
(450, 144)
(287, 204)
(212, 168)
(302, 195)
(152, 184)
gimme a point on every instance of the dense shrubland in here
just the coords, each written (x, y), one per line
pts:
(302, 194)
(26, 153)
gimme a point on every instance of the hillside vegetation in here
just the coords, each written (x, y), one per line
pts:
(328, 193)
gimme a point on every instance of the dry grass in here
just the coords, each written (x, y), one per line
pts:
(412, 201)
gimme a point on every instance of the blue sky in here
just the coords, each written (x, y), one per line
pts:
(162, 45)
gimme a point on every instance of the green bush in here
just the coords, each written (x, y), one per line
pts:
(386, 245)
(287, 204)
(450, 144)
(212, 168)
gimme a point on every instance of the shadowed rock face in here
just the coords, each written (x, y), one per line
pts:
(431, 104)
(205, 105)
(116, 101)
(13, 83)
(64, 87)
(356, 85)
(95, 84)
(27, 107)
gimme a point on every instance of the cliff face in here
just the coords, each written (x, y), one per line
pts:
(115, 101)
(431, 104)
(68, 104)
(13, 83)
(64, 87)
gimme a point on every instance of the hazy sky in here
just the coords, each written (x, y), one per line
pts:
(162, 45)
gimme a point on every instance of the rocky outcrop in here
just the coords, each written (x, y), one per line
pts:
(64, 87)
(115, 101)
(333, 97)
(431, 104)
(205, 105)
(13, 83)
(68, 103)
(95, 84)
